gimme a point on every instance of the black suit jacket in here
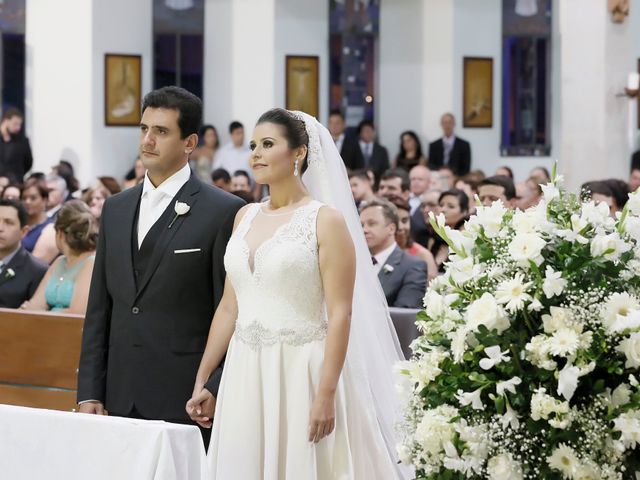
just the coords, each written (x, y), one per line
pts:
(404, 280)
(143, 341)
(459, 158)
(15, 158)
(354, 159)
(28, 272)
(635, 161)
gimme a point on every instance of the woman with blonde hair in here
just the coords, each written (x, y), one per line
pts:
(65, 286)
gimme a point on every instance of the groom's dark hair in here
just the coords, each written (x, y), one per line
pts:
(294, 129)
(188, 105)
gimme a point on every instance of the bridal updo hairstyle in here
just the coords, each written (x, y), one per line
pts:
(79, 226)
(293, 129)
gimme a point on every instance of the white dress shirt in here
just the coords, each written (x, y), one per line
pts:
(414, 203)
(447, 144)
(383, 256)
(233, 158)
(339, 142)
(156, 200)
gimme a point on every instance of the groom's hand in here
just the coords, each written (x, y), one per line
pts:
(95, 408)
(201, 407)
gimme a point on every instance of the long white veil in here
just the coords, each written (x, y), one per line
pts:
(373, 343)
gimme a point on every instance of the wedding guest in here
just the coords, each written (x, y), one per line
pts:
(620, 191)
(420, 228)
(20, 272)
(135, 175)
(203, 157)
(504, 171)
(221, 179)
(4, 182)
(419, 182)
(366, 152)
(344, 143)
(58, 194)
(34, 198)
(405, 240)
(361, 186)
(110, 183)
(496, 188)
(403, 277)
(450, 150)
(65, 287)
(65, 170)
(11, 192)
(541, 173)
(410, 152)
(529, 195)
(634, 179)
(240, 181)
(447, 177)
(395, 181)
(454, 205)
(95, 197)
(15, 152)
(599, 192)
(235, 154)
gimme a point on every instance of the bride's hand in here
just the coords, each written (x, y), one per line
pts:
(322, 417)
(201, 407)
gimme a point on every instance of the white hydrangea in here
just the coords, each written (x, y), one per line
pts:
(426, 369)
(546, 407)
(538, 353)
(435, 429)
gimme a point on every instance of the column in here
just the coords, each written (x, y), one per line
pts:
(594, 62)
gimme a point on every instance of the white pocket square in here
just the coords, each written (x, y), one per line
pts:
(187, 250)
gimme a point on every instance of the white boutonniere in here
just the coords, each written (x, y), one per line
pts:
(180, 208)
(387, 268)
(10, 273)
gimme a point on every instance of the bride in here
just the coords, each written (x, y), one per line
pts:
(307, 390)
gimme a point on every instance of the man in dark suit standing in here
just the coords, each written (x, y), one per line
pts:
(158, 275)
(365, 152)
(20, 272)
(450, 151)
(15, 151)
(403, 277)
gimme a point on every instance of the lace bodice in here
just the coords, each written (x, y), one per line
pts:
(272, 263)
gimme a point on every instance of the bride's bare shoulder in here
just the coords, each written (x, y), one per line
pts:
(331, 223)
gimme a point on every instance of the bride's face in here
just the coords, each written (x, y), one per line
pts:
(271, 158)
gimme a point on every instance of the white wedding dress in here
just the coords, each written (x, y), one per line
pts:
(274, 362)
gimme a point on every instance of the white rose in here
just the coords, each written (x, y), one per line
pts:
(485, 311)
(630, 346)
(559, 318)
(525, 247)
(504, 467)
(181, 208)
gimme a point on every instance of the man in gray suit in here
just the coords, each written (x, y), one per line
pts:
(403, 277)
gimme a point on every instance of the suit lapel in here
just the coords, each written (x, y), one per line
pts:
(127, 220)
(16, 262)
(189, 196)
(393, 260)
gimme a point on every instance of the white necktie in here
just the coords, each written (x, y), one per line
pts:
(149, 214)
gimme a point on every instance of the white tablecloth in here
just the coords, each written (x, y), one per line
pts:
(40, 444)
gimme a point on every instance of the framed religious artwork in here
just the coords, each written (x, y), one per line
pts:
(477, 92)
(302, 84)
(122, 89)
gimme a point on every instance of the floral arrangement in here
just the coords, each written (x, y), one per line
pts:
(527, 366)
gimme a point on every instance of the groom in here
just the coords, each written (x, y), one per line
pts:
(158, 275)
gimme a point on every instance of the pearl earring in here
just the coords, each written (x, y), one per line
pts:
(295, 168)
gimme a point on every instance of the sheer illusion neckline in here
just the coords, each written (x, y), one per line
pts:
(253, 260)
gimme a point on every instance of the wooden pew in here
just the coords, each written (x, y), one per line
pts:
(39, 354)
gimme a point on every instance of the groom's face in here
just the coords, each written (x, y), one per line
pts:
(161, 148)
